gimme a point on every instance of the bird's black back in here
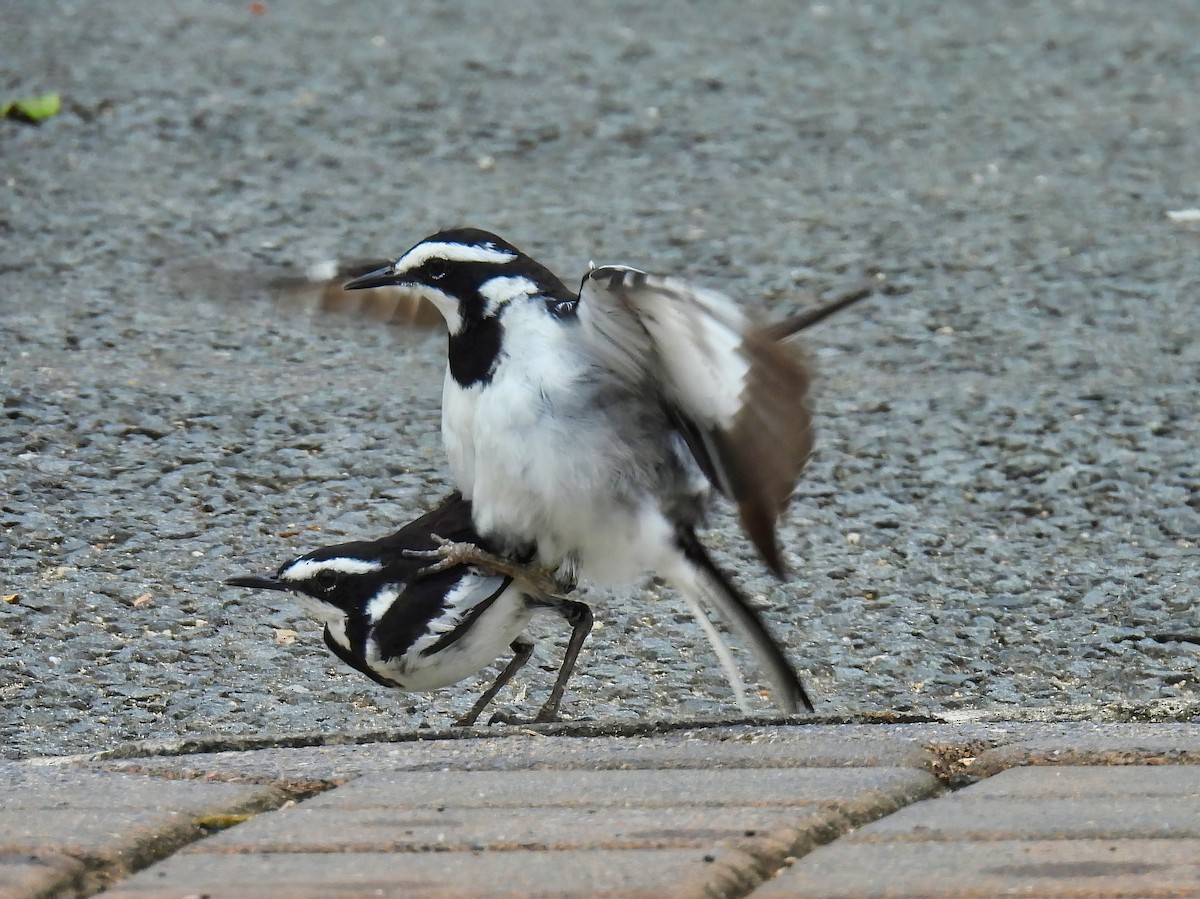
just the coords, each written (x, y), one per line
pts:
(423, 596)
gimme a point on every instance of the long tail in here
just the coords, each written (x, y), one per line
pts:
(703, 584)
(804, 320)
(720, 647)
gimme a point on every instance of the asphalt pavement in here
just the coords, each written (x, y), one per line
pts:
(1002, 513)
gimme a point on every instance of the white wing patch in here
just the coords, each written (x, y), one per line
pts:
(451, 252)
(736, 395)
(471, 590)
(306, 568)
(700, 354)
(684, 339)
(488, 638)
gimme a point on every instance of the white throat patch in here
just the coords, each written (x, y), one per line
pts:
(503, 289)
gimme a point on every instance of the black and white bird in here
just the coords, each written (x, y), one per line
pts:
(404, 622)
(590, 425)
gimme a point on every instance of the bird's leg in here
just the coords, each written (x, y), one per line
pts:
(521, 653)
(540, 581)
(579, 616)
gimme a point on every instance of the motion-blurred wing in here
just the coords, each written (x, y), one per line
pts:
(320, 289)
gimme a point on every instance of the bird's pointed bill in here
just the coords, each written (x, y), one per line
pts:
(381, 277)
(258, 581)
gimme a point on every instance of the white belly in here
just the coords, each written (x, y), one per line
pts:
(458, 432)
(540, 453)
(559, 476)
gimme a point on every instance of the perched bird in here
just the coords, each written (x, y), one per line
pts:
(588, 426)
(406, 623)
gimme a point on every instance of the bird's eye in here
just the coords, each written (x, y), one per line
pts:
(326, 580)
(435, 269)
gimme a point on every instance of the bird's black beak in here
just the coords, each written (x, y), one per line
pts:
(258, 581)
(381, 277)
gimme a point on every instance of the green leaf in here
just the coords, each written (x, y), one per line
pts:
(33, 109)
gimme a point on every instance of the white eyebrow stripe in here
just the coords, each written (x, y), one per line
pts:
(308, 567)
(504, 289)
(451, 252)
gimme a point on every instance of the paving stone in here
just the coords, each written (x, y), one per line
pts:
(1106, 745)
(97, 813)
(95, 833)
(1014, 819)
(1090, 782)
(1048, 803)
(49, 788)
(812, 745)
(307, 829)
(111, 823)
(762, 787)
(1165, 739)
(631, 873)
(743, 747)
(39, 874)
(1087, 869)
(640, 816)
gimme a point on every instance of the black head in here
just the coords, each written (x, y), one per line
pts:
(347, 576)
(344, 577)
(470, 275)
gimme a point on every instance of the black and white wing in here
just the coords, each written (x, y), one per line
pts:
(736, 395)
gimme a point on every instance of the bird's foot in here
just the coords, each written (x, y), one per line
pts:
(567, 573)
(508, 718)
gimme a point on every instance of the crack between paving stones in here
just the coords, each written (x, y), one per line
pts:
(102, 873)
(768, 855)
(950, 763)
(783, 848)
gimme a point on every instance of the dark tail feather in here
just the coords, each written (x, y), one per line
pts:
(797, 323)
(714, 588)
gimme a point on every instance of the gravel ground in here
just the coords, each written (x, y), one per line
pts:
(1004, 501)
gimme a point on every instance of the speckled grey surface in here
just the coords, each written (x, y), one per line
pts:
(1005, 490)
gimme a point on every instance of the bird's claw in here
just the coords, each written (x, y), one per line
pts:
(450, 554)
